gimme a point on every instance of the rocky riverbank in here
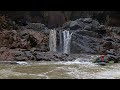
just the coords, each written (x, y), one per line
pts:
(31, 42)
(34, 54)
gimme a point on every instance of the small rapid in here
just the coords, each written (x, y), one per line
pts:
(81, 68)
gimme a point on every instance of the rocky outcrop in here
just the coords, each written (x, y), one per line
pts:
(36, 39)
(31, 42)
(110, 48)
(114, 29)
(51, 56)
(36, 26)
(55, 19)
(82, 23)
(89, 36)
(24, 39)
(7, 54)
(110, 42)
(84, 42)
(10, 39)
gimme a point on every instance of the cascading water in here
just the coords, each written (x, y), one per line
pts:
(52, 40)
(66, 41)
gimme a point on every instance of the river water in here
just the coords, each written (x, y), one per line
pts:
(80, 68)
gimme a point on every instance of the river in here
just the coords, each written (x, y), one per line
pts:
(80, 68)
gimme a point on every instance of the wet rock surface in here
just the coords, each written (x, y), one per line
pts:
(84, 23)
(24, 39)
(50, 56)
(31, 42)
(7, 54)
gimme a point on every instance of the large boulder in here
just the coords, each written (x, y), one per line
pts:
(87, 20)
(95, 24)
(10, 39)
(112, 58)
(20, 58)
(111, 52)
(36, 26)
(108, 45)
(84, 42)
(24, 39)
(36, 39)
(50, 56)
(7, 54)
(74, 25)
(85, 24)
(29, 55)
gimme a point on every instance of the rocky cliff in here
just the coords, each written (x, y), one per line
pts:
(26, 38)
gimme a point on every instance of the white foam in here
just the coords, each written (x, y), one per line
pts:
(110, 74)
(22, 62)
(80, 61)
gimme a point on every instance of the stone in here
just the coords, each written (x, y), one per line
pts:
(101, 32)
(2, 49)
(50, 56)
(18, 53)
(87, 20)
(95, 24)
(81, 24)
(80, 20)
(112, 58)
(74, 25)
(29, 55)
(81, 43)
(109, 39)
(66, 25)
(116, 30)
(42, 58)
(108, 45)
(36, 39)
(85, 33)
(101, 27)
(20, 58)
(111, 52)
(88, 26)
(7, 56)
(36, 26)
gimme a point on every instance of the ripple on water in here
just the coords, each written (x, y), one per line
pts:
(80, 68)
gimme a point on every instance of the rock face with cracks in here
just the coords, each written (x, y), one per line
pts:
(32, 41)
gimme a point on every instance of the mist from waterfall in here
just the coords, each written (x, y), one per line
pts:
(52, 40)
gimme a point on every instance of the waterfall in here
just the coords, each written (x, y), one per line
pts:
(52, 40)
(64, 38)
(66, 41)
